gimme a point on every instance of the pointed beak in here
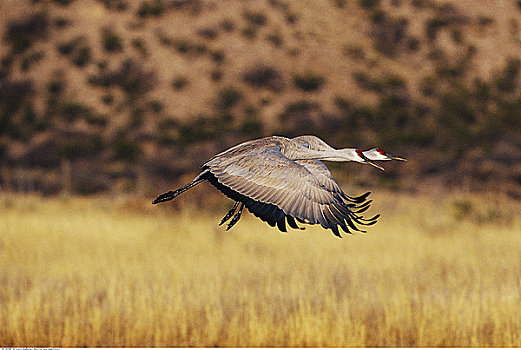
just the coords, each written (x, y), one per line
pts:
(397, 158)
(375, 165)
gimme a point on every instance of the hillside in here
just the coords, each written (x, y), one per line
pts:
(99, 95)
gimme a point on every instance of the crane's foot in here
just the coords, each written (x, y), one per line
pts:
(236, 217)
(230, 213)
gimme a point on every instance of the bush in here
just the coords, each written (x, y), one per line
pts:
(56, 86)
(156, 106)
(208, 33)
(217, 55)
(299, 118)
(63, 2)
(61, 22)
(354, 51)
(227, 25)
(262, 76)
(125, 149)
(255, 18)
(275, 38)
(131, 77)
(291, 17)
(389, 34)
(82, 56)
(228, 97)
(369, 4)
(216, 75)
(70, 110)
(118, 5)
(179, 82)
(153, 8)
(308, 81)
(111, 41)
(508, 79)
(107, 99)
(31, 59)
(249, 32)
(140, 46)
(23, 33)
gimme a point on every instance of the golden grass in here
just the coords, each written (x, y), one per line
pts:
(97, 272)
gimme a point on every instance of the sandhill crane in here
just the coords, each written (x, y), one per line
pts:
(280, 179)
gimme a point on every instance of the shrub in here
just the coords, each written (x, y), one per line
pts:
(291, 17)
(249, 32)
(275, 38)
(208, 33)
(125, 149)
(140, 46)
(131, 77)
(56, 86)
(508, 79)
(70, 110)
(66, 48)
(227, 25)
(185, 46)
(217, 55)
(228, 97)
(118, 5)
(156, 106)
(111, 41)
(82, 56)
(216, 75)
(179, 82)
(422, 4)
(255, 18)
(251, 126)
(300, 118)
(354, 51)
(413, 44)
(485, 20)
(340, 3)
(153, 8)
(369, 4)
(61, 22)
(262, 76)
(389, 34)
(21, 34)
(107, 99)
(308, 81)
(63, 2)
(30, 59)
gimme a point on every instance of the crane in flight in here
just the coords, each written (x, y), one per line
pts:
(283, 180)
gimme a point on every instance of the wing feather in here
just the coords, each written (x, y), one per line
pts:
(302, 190)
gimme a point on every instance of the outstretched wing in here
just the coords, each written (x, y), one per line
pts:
(324, 176)
(267, 177)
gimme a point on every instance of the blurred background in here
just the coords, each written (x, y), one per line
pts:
(108, 96)
(104, 104)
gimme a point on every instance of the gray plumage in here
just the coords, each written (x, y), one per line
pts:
(280, 179)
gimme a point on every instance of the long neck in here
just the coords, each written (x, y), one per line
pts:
(334, 155)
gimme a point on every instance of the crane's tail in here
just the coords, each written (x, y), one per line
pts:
(172, 194)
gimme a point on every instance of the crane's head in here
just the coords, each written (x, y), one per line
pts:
(380, 154)
(362, 158)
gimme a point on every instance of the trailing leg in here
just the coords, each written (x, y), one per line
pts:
(230, 213)
(172, 194)
(236, 217)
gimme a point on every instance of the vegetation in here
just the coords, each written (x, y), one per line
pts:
(414, 79)
(308, 81)
(125, 273)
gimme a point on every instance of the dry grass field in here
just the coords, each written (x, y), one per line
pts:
(435, 271)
